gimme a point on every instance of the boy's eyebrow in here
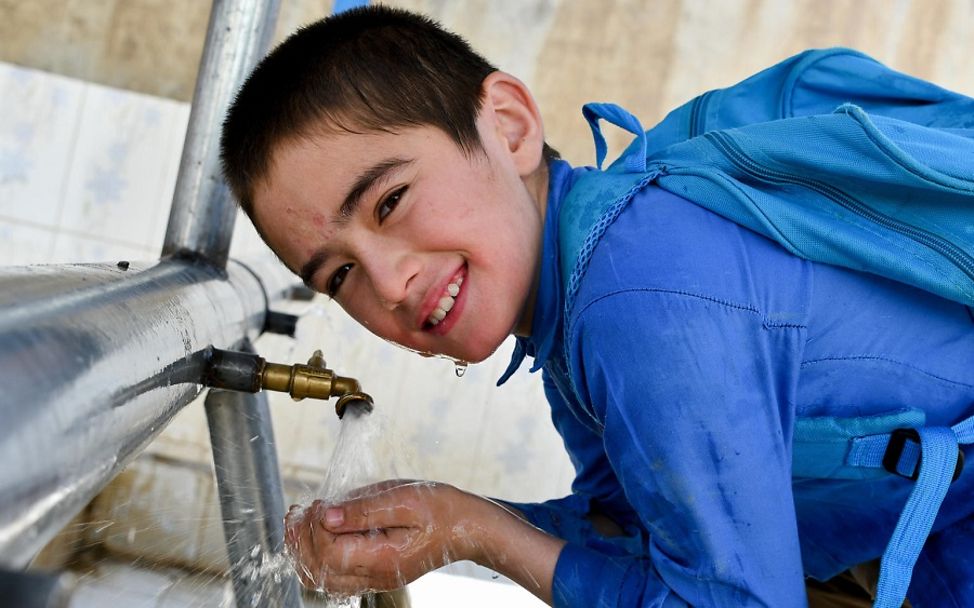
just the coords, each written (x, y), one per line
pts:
(366, 180)
(310, 267)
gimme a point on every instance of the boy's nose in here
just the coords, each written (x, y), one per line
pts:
(391, 274)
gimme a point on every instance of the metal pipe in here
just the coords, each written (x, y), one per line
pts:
(36, 589)
(94, 362)
(202, 215)
(251, 498)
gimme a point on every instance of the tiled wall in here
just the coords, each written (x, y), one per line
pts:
(87, 174)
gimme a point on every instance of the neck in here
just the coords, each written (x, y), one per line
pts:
(537, 185)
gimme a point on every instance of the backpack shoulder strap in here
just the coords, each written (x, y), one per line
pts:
(898, 443)
(597, 196)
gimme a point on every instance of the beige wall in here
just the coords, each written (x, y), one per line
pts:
(652, 55)
(648, 55)
(149, 46)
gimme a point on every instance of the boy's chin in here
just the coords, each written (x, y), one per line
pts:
(476, 354)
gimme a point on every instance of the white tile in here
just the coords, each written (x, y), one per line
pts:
(69, 248)
(520, 451)
(39, 118)
(24, 244)
(441, 417)
(117, 179)
(246, 242)
(179, 122)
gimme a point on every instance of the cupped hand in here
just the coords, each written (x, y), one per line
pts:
(384, 537)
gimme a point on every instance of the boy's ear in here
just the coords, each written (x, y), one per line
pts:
(516, 120)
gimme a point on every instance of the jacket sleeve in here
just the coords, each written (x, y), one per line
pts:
(695, 395)
(595, 489)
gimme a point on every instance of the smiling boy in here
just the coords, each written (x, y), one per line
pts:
(417, 214)
(396, 170)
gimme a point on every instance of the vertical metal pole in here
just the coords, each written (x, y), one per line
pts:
(251, 499)
(202, 215)
(201, 224)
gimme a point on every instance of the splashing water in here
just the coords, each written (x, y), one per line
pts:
(355, 461)
(362, 456)
(353, 465)
(263, 566)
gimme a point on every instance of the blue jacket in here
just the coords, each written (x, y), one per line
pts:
(693, 346)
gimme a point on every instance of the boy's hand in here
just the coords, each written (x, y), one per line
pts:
(384, 537)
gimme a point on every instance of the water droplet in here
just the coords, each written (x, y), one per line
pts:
(460, 368)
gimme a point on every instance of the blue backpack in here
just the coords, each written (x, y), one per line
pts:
(840, 160)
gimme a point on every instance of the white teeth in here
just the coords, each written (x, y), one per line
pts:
(446, 302)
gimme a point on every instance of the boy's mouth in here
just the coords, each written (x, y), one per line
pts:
(446, 302)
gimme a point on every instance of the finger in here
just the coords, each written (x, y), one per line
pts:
(349, 584)
(342, 579)
(382, 486)
(366, 554)
(360, 580)
(308, 545)
(392, 507)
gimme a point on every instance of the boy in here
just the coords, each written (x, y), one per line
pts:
(393, 168)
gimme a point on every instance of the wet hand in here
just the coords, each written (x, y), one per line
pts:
(384, 537)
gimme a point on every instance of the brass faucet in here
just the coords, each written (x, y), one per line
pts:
(248, 372)
(314, 380)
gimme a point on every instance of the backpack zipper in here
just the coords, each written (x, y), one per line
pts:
(956, 255)
(698, 117)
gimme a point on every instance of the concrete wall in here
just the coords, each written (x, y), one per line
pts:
(148, 46)
(649, 55)
(652, 55)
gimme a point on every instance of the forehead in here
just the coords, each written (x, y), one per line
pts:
(319, 164)
(309, 177)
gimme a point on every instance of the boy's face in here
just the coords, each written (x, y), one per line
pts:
(400, 226)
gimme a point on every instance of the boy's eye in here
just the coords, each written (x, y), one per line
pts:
(337, 279)
(386, 205)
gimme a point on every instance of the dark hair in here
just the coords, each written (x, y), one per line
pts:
(373, 68)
